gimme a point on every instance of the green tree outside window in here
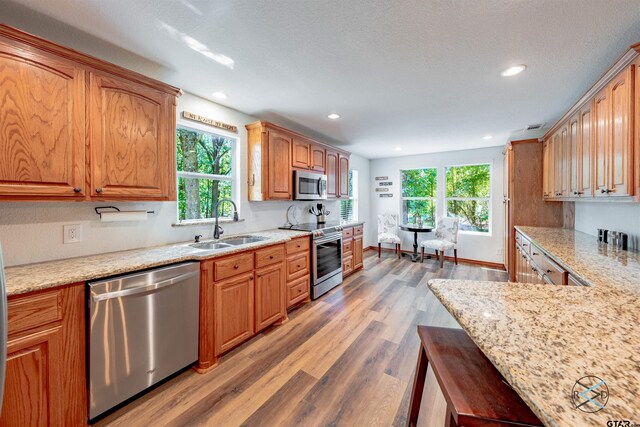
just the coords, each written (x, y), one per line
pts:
(468, 196)
(419, 192)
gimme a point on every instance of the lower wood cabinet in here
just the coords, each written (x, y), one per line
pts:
(352, 249)
(298, 270)
(45, 374)
(240, 295)
(234, 313)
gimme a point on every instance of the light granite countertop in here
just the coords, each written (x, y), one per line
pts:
(544, 338)
(32, 277)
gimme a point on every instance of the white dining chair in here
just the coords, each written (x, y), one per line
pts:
(446, 239)
(388, 231)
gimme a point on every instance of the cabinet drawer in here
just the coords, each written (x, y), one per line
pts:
(29, 312)
(297, 265)
(347, 247)
(300, 244)
(358, 229)
(347, 265)
(554, 272)
(297, 291)
(524, 242)
(347, 232)
(232, 266)
(269, 256)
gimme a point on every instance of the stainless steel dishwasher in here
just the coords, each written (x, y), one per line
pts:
(143, 327)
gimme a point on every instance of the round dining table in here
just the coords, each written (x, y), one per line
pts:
(415, 228)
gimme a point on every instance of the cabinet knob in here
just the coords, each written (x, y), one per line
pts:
(99, 190)
(603, 191)
(236, 266)
(251, 278)
(77, 190)
(270, 256)
(548, 271)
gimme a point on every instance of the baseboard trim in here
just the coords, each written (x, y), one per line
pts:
(492, 265)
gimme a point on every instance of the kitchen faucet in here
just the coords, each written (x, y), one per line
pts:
(217, 230)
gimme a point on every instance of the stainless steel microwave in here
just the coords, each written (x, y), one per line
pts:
(309, 185)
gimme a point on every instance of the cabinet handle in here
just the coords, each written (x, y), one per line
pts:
(548, 271)
(299, 246)
(99, 190)
(251, 278)
(535, 253)
(77, 190)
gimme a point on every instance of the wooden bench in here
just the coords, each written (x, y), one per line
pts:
(475, 392)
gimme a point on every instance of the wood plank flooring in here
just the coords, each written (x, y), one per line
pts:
(345, 359)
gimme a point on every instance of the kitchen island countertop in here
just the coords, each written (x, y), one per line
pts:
(544, 338)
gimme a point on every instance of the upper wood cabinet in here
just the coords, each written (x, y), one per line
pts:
(131, 146)
(81, 128)
(599, 138)
(343, 171)
(275, 152)
(333, 174)
(41, 124)
(301, 153)
(318, 158)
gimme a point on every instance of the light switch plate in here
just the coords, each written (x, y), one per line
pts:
(72, 233)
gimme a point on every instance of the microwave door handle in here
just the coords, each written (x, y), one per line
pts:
(320, 187)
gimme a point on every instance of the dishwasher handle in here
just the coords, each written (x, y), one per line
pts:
(143, 289)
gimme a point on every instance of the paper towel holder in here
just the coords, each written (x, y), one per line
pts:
(99, 212)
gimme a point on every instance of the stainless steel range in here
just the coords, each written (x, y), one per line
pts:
(326, 255)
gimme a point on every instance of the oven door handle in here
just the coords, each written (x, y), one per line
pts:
(142, 289)
(328, 239)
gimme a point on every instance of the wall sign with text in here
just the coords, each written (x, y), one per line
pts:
(386, 195)
(207, 121)
(385, 183)
(382, 178)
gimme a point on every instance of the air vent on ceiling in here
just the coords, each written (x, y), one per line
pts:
(534, 126)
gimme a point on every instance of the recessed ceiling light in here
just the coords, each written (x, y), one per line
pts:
(487, 137)
(333, 116)
(219, 95)
(398, 148)
(512, 71)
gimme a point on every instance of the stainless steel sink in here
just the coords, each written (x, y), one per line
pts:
(210, 246)
(243, 240)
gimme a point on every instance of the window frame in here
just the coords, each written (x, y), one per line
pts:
(435, 198)
(232, 177)
(489, 199)
(354, 196)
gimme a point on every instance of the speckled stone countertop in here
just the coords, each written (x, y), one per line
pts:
(544, 338)
(32, 277)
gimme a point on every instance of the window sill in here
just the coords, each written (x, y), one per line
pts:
(475, 233)
(201, 222)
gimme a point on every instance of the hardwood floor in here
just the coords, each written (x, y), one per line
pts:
(345, 359)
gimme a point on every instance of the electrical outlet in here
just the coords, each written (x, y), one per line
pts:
(72, 233)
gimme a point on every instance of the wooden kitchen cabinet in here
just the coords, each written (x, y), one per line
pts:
(343, 172)
(131, 140)
(601, 142)
(301, 153)
(564, 160)
(298, 270)
(81, 128)
(352, 249)
(547, 177)
(357, 253)
(234, 312)
(275, 152)
(41, 123)
(585, 152)
(318, 154)
(271, 305)
(574, 156)
(333, 174)
(621, 152)
(45, 372)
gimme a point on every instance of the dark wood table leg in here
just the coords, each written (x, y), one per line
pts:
(415, 256)
(418, 388)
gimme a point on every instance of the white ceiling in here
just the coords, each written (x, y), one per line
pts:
(420, 75)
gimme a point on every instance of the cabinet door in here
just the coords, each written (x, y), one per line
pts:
(574, 158)
(317, 158)
(271, 298)
(344, 175)
(132, 140)
(552, 168)
(601, 142)
(234, 302)
(332, 174)
(42, 125)
(301, 153)
(545, 169)
(585, 186)
(280, 173)
(557, 167)
(621, 134)
(357, 252)
(564, 163)
(32, 389)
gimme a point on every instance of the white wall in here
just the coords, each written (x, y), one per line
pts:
(362, 165)
(611, 216)
(482, 247)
